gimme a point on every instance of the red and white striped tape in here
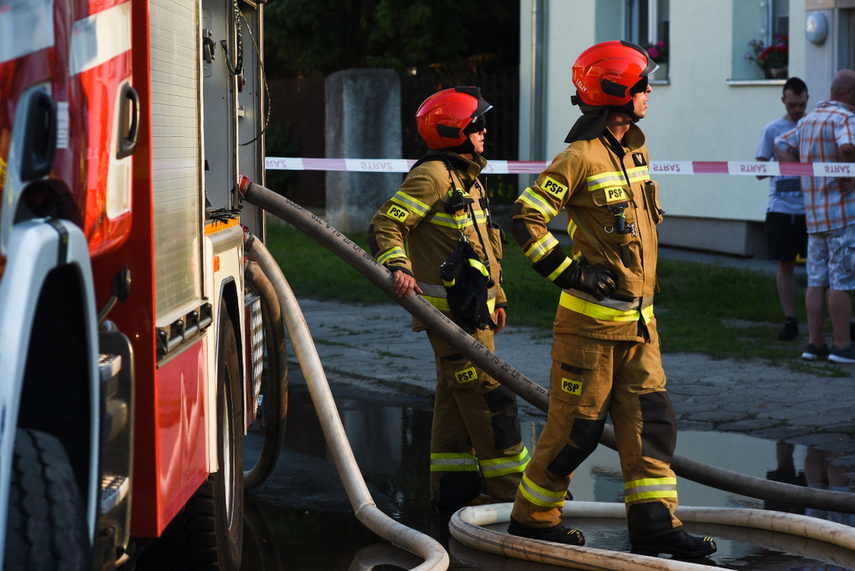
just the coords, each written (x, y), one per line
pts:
(536, 167)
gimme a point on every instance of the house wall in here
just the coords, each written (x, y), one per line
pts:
(712, 106)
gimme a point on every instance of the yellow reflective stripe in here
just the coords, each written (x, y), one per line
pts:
(648, 496)
(564, 265)
(602, 312)
(638, 174)
(650, 488)
(392, 253)
(480, 216)
(459, 221)
(479, 265)
(539, 248)
(643, 482)
(506, 465)
(453, 462)
(442, 304)
(438, 302)
(611, 178)
(533, 199)
(541, 496)
(417, 206)
(571, 229)
(617, 178)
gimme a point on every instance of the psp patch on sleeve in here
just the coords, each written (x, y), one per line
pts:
(397, 213)
(554, 187)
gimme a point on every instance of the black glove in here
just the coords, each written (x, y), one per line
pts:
(597, 281)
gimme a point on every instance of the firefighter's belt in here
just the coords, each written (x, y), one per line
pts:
(436, 296)
(608, 309)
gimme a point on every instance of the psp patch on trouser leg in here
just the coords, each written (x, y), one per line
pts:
(474, 414)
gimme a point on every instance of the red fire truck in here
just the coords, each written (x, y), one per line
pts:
(131, 347)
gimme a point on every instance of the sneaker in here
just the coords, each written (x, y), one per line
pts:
(846, 355)
(557, 533)
(679, 544)
(814, 353)
(790, 330)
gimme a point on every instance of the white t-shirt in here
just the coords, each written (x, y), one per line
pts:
(785, 192)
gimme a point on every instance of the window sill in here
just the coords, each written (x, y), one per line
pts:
(660, 81)
(755, 82)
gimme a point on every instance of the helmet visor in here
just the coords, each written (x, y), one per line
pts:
(477, 125)
(640, 86)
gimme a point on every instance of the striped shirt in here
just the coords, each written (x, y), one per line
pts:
(817, 138)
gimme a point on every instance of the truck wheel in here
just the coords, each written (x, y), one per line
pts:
(228, 481)
(46, 526)
(208, 533)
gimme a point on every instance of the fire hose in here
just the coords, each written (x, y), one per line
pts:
(435, 557)
(275, 404)
(466, 522)
(516, 381)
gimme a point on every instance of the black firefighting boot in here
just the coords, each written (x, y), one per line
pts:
(557, 533)
(456, 490)
(650, 533)
(677, 543)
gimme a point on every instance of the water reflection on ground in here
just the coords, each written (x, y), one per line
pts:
(302, 519)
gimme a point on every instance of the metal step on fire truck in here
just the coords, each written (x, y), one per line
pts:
(132, 341)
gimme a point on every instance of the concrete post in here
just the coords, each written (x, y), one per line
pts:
(363, 121)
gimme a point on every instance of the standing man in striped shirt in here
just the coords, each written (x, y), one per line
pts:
(827, 135)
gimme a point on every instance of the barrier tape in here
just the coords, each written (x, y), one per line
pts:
(536, 167)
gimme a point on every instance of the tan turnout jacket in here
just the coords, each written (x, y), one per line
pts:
(414, 231)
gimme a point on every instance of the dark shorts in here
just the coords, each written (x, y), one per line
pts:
(786, 236)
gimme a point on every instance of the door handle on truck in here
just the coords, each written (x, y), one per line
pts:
(129, 121)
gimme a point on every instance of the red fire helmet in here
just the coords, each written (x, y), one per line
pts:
(443, 117)
(605, 72)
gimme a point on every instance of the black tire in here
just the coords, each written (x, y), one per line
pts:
(228, 481)
(46, 527)
(208, 533)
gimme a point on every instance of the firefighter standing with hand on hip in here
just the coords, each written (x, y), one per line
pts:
(442, 209)
(605, 352)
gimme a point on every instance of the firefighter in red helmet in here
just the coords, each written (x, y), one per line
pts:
(441, 215)
(605, 351)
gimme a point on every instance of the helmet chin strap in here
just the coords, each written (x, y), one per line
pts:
(593, 120)
(466, 148)
(629, 109)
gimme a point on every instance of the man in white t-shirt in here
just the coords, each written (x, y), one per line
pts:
(786, 233)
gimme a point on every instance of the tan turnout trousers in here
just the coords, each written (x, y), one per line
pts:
(590, 379)
(475, 439)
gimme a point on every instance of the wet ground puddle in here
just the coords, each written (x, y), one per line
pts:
(302, 519)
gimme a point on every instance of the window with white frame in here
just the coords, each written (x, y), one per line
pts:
(646, 24)
(760, 39)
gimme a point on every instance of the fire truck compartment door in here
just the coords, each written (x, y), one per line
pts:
(177, 175)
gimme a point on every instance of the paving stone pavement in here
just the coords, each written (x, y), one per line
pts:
(375, 344)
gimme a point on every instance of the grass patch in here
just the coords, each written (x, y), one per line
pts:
(718, 311)
(313, 271)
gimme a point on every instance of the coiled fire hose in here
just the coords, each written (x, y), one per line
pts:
(792, 530)
(525, 388)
